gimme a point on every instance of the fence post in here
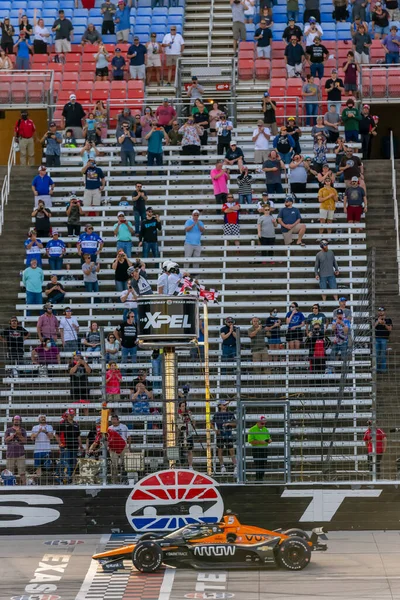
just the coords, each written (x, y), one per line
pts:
(104, 403)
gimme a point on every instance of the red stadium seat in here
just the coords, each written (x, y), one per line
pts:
(73, 57)
(88, 57)
(246, 54)
(37, 66)
(278, 87)
(277, 73)
(71, 76)
(39, 58)
(246, 46)
(379, 85)
(18, 92)
(101, 91)
(135, 84)
(72, 67)
(36, 92)
(56, 67)
(5, 91)
(262, 68)
(63, 95)
(246, 68)
(90, 49)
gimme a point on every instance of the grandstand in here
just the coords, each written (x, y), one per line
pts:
(326, 412)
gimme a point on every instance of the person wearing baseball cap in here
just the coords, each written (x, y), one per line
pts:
(367, 129)
(122, 20)
(43, 187)
(124, 232)
(354, 202)
(71, 117)
(55, 250)
(64, 33)
(137, 55)
(259, 438)
(223, 422)
(383, 328)
(234, 156)
(292, 28)
(118, 64)
(15, 439)
(311, 31)
(326, 269)
(228, 336)
(194, 229)
(52, 141)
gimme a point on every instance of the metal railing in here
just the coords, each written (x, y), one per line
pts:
(211, 27)
(5, 188)
(396, 207)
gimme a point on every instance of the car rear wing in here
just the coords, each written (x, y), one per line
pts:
(317, 534)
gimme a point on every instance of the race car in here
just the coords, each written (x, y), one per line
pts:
(228, 543)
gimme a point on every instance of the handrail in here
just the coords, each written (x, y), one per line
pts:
(5, 188)
(396, 208)
(211, 26)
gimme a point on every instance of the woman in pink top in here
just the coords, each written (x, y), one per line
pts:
(113, 383)
(220, 178)
(214, 115)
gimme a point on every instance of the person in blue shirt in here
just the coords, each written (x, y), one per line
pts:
(118, 64)
(23, 50)
(122, 20)
(295, 321)
(89, 243)
(126, 140)
(55, 250)
(137, 55)
(43, 187)
(194, 229)
(32, 248)
(95, 182)
(155, 149)
(289, 218)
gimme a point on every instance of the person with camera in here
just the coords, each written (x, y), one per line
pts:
(123, 230)
(317, 344)
(126, 334)
(79, 370)
(43, 187)
(121, 265)
(224, 129)
(137, 55)
(95, 183)
(139, 281)
(15, 439)
(223, 422)
(52, 141)
(186, 431)
(74, 213)
(148, 236)
(139, 199)
(89, 151)
(269, 110)
(89, 243)
(42, 216)
(41, 435)
(383, 328)
(90, 271)
(174, 45)
(228, 336)
(68, 437)
(155, 139)
(127, 142)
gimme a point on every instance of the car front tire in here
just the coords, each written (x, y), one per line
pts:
(147, 556)
(293, 554)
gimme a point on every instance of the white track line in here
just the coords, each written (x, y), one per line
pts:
(90, 575)
(168, 582)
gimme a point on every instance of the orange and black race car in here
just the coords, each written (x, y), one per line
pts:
(228, 543)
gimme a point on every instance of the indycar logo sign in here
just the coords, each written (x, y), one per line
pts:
(157, 319)
(214, 550)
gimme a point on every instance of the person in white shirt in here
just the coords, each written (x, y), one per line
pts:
(174, 45)
(261, 137)
(162, 281)
(129, 299)
(118, 459)
(42, 36)
(312, 31)
(41, 434)
(69, 331)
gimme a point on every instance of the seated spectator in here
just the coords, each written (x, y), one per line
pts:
(43, 187)
(191, 142)
(284, 144)
(289, 218)
(102, 57)
(341, 329)
(32, 280)
(48, 325)
(294, 335)
(379, 22)
(311, 31)
(292, 30)
(340, 12)
(263, 37)
(165, 114)
(269, 110)
(155, 138)
(316, 317)
(41, 40)
(118, 64)
(320, 150)
(91, 36)
(231, 225)
(325, 174)
(319, 130)
(354, 202)
(294, 130)
(273, 331)
(175, 138)
(311, 96)
(266, 225)
(7, 32)
(224, 133)
(121, 265)
(67, 277)
(42, 218)
(112, 347)
(5, 61)
(64, 33)
(54, 291)
(214, 115)
(261, 137)
(335, 89)
(234, 156)
(298, 175)
(91, 342)
(326, 269)
(154, 51)
(122, 20)
(23, 50)
(137, 55)
(361, 44)
(273, 169)
(113, 383)
(46, 353)
(90, 272)
(141, 398)
(317, 54)
(33, 246)
(331, 123)
(70, 141)
(220, 178)
(294, 57)
(391, 45)
(351, 166)
(200, 116)
(195, 91)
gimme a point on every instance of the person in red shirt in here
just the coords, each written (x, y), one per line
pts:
(231, 210)
(381, 445)
(165, 115)
(113, 383)
(24, 135)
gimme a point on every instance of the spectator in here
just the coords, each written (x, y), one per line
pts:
(379, 436)
(72, 116)
(112, 347)
(54, 292)
(317, 344)
(195, 91)
(311, 99)
(331, 123)
(94, 183)
(379, 22)
(139, 282)
(220, 178)
(269, 110)
(316, 317)
(91, 341)
(7, 32)
(165, 115)
(250, 11)
(23, 50)
(228, 336)
(90, 271)
(266, 224)
(326, 269)
(383, 327)
(126, 141)
(261, 137)
(258, 348)
(101, 57)
(121, 265)
(231, 225)
(284, 144)
(64, 31)
(224, 133)
(24, 135)
(295, 321)
(52, 141)
(32, 279)
(175, 138)
(68, 276)
(359, 10)
(137, 55)
(89, 243)
(335, 89)
(148, 236)
(91, 36)
(351, 68)
(317, 54)
(273, 331)
(259, 438)
(15, 439)
(238, 22)
(142, 379)
(23, 23)
(70, 141)
(294, 130)
(294, 57)
(42, 218)
(273, 168)
(342, 306)
(126, 334)
(141, 398)
(244, 186)
(123, 230)
(174, 45)
(5, 62)
(234, 155)
(113, 383)
(14, 336)
(265, 9)
(292, 30)
(43, 187)
(41, 40)
(33, 245)
(186, 431)
(215, 116)
(340, 150)
(354, 26)
(69, 331)
(320, 150)
(191, 134)
(263, 37)
(154, 50)
(55, 250)
(223, 422)
(117, 457)
(361, 44)
(48, 325)
(312, 31)
(118, 64)
(289, 218)
(92, 130)
(155, 139)
(311, 10)
(68, 437)
(108, 10)
(351, 120)
(45, 354)
(194, 229)
(122, 20)
(367, 129)
(89, 151)
(79, 370)
(391, 45)
(325, 174)
(341, 331)
(200, 116)
(298, 175)
(319, 130)
(327, 197)
(139, 198)
(340, 12)
(41, 435)
(124, 117)
(74, 213)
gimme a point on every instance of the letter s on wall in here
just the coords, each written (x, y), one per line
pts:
(31, 515)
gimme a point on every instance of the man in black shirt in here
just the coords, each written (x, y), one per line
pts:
(383, 328)
(263, 36)
(317, 55)
(68, 437)
(366, 126)
(142, 378)
(64, 31)
(291, 30)
(234, 156)
(14, 337)
(72, 116)
(126, 334)
(294, 57)
(335, 88)
(148, 236)
(139, 199)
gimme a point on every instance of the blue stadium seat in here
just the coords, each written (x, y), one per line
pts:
(77, 39)
(19, 4)
(160, 10)
(279, 18)
(35, 4)
(331, 27)
(160, 37)
(49, 12)
(145, 3)
(250, 29)
(140, 29)
(174, 20)
(159, 29)
(14, 13)
(53, 4)
(4, 13)
(176, 11)
(144, 11)
(81, 12)
(280, 9)
(343, 35)
(326, 18)
(109, 39)
(6, 5)
(80, 21)
(67, 4)
(132, 20)
(143, 37)
(69, 14)
(97, 21)
(329, 36)
(141, 20)
(159, 20)
(95, 12)
(79, 30)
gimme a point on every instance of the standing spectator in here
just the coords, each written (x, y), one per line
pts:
(320, 150)
(340, 12)
(273, 330)
(258, 348)
(137, 55)
(123, 230)
(154, 50)
(350, 165)
(139, 283)
(316, 317)
(354, 26)
(261, 137)
(90, 271)
(263, 37)
(359, 10)
(55, 250)
(292, 29)
(33, 245)
(15, 439)
(231, 225)
(259, 439)
(220, 178)
(224, 133)
(244, 186)
(331, 123)
(228, 336)
(68, 437)
(379, 22)
(361, 44)
(54, 292)
(126, 334)
(317, 344)
(311, 99)
(297, 175)
(32, 279)
(266, 230)
(42, 218)
(194, 229)
(89, 243)
(7, 32)
(91, 341)
(148, 236)
(5, 61)
(327, 198)
(69, 331)
(380, 448)
(78, 371)
(41, 41)
(191, 142)
(52, 141)
(269, 110)
(121, 265)
(311, 10)
(346, 311)
(334, 86)
(89, 151)
(317, 54)
(101, 57)
(43, 187)
(122, 20)
(126, 141)
(200, 116)
(273, 169)
(117, 449)
(367, 129)
(72, 116)
(64, 31)
(238, 22)
(295, 321)
(223, 422)
(311, 31)
(113, 383)
(391, 45)
(234, 155)
(175, 138)
(112, 347)
(23, 23)
(351, 69)
(174, 45)
(139, 199)
(74, 213)
(108, 10)
(341, 331)
(24, 135)
(294, 58)
(383, 328)
(325, 174)
(118, 64)
(41, 435)
(14, 336)
(23, 50)
(351, 120)
(326, 269)
(284, 144)
(215, 115)
(195, 91)
(354, 202)
(94, 183)
(165, 115)
(155, 139)
(48, 324)
(289, 218)
(91, 36)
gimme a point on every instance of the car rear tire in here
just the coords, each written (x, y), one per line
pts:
(147, 556)
(297, 533)
(148, 536)
(293, 554)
